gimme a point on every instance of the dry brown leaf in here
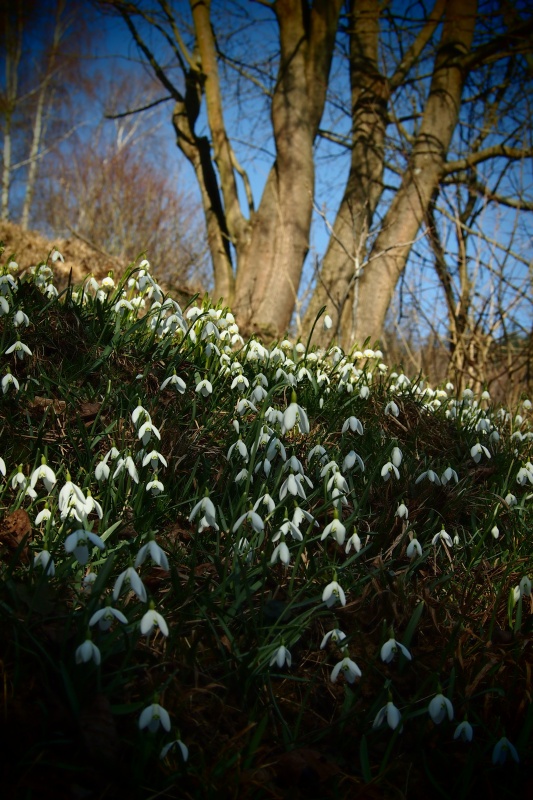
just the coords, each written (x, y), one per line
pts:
(14, 528)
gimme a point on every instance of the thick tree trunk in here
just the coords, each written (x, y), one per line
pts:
(405, 216)
(269, 245)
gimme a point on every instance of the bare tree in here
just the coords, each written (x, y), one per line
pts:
(416, 74)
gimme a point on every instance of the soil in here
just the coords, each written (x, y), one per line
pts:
(29, 248)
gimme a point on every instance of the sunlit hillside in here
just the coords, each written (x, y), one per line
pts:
(233, 570)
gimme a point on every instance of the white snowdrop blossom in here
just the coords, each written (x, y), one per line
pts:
(19, 349)
(146, 431)
(402, 511)
(502, 749)
(448, 475)
(140, 414)
(352, 424)
(439, 708)
(157, 555)
(390, 713)
(443, 537)
(391, 648)
(351, 459)
(396, 456)
(354, 541)
(131, 580)
(387, 469)
(414, 549)
(127, 464)
(106, 616)
(335, 635)
(174, 381)
(464, 731)
(431, 476)
(254, 519)
(43, 516)
(332, 593)
(154, 459)
(337, 531)
(280, 657)
(152, 619)
(88, 651)
(206, 510)
(349, 669)
(9, 380)
(495, 532)
(184, 750)
(155, 486)
(281, 551)
(204, 388)
(295, 415)
(153, 717)
(45, 560)
(477, 451)
(390, 408)
(78, 544)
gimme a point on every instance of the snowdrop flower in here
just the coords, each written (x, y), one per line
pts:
(175, 382)
(390, 648)
(267, 501)
(364, 393)
(351, 459)
(155, 486)
(207, 511)
(280, 657)
(77, 543)
(154, 716)
(88, 651)
(91, 505)
(396, 456)
(43, 516)
(9, 380)
(525, 586)
(502, 749)
(440, 708)
(295, 414)
(402, 511)
(391, 714)
(131, 580)
(129, 465)
(477, 451)
(430, 475)
(349, 669)
(4, 306)
(352, 424)
(464, 731)
(442, 536)
(184, 750)
(332, 593)
(154, 459)
(387, 469)
(448, 475)
(146, 431)
(157, 555)
(495, 531)
(106, 616)
(204, 388)
(414, 549)
(281, 551)
(140, 414)
(335, 635)
(19, 348)
(254, 518)
(355, 542)
(337, 531)
(101, 471)
(45, 560)
(390, 408)
(327, 323)
(152, 619)
(511, 500)
(242, 449)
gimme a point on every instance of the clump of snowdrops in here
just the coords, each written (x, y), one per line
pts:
(216, 553)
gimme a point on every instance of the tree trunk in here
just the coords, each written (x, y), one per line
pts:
(403, 220)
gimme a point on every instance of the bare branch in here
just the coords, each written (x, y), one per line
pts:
(496, 151)
(132, 111)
